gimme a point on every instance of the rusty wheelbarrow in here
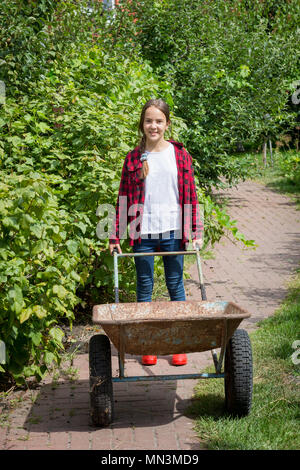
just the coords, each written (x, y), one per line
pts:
(166, 327)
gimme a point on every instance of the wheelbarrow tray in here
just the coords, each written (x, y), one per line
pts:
(167, 327)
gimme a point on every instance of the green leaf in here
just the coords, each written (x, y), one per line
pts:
(72, 246)
(15, 140)
(26, 221)
(49, 357)
(43, 126)
(75, 276)
(28, 117)
(82, 227)
(57, 334)
(41, 245)
(29, 138)
(39, 311)
(37, 230)
(16, 299)
(36, 337)
(11, 222)
(25, 314)
(60, 291)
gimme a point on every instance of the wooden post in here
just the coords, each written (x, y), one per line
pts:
(271, 152)
(265, 153)
(297, 140)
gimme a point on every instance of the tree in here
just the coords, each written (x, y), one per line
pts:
(230, 64)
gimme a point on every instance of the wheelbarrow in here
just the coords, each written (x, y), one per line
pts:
(169, 327)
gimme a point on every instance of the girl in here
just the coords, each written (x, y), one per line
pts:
(157, 192)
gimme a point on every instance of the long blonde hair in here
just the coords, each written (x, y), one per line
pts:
(164, 108)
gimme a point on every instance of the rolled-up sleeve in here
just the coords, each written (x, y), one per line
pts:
(120, 221)
(197, 225)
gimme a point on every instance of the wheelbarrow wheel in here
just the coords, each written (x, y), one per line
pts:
(238, 374)
(101, 389)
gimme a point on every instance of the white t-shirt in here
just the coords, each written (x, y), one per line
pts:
(162, 211)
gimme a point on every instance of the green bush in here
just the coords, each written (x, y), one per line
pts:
(40, 254)
(69, 117)
(289, 166)
(232, 66)
(64, 131)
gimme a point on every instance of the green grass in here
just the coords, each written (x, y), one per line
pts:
(282, 176)
(273, 423)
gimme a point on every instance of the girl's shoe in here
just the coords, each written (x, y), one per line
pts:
(149, 360)
(179, 360)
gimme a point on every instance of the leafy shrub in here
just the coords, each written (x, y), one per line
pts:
(63, 141)
(73, 101)
(288, 165)
(40, 256)
(232, 66)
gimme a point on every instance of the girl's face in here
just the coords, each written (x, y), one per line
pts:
(155, 125)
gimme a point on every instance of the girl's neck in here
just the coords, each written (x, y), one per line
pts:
(157, 146)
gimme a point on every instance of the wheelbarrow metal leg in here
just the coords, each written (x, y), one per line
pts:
(122, 353)
(116, 284)
(223, 348)
(215, 358)
(219, 361)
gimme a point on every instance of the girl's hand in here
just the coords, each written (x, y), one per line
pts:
(112, 246)
(198, 242)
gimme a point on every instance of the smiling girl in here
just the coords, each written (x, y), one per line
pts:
(157, 183)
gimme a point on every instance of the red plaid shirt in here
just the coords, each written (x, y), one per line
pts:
(132, 196)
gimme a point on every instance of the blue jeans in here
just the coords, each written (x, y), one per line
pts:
(145, 266)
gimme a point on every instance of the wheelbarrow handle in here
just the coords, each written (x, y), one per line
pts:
(158, 253)
(116, 276)
(200, 273)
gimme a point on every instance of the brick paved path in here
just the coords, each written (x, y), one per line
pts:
(152, 416)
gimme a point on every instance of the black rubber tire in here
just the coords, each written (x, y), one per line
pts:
(238, 374)
(101, 387)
